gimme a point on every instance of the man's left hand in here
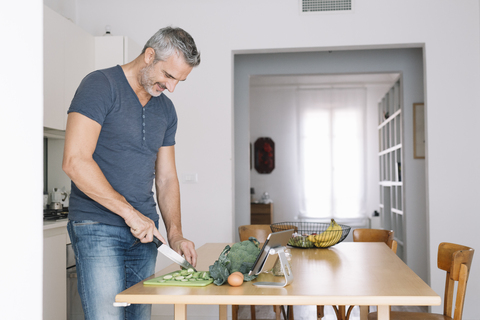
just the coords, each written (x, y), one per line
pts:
(184, 247)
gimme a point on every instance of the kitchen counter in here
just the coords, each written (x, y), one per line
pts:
(53, 224)
(55, 228)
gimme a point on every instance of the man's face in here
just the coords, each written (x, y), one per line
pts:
(156, 77)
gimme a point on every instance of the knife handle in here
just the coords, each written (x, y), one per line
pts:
(157, 242)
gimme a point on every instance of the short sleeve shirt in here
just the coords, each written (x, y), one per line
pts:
(127, 146)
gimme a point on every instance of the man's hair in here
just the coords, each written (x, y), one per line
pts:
(168, 41)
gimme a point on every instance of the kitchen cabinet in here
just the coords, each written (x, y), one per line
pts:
(79, 60)
(261, 213)
(53, 62)
(55, 239)
(113, 50)
(68, 57)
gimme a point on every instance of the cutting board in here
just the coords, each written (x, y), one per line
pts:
(159, 281)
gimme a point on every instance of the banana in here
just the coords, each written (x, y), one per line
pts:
(336, 234)
(329, 237)
(326, 237)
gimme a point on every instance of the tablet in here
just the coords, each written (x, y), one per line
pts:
(274, 240)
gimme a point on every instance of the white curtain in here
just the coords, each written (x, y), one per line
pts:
(331, 139)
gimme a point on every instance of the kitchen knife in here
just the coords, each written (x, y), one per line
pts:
(171, 254)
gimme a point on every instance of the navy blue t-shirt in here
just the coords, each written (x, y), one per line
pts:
(128, 144)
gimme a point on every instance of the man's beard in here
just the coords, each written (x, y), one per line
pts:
(147, 83)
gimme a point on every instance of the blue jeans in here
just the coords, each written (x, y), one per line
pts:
(108, 262)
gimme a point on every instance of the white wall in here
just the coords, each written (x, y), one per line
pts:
(66, 8)
(273, 115)
(449, 30)
(21, 171)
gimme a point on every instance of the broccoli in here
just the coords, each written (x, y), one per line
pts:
(240, 257)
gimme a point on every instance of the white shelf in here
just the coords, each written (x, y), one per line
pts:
(397, 211)
(392, 149)
(391, 172)
(390, 118)
(387, 183)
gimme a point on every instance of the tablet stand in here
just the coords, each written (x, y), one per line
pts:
(287, 271)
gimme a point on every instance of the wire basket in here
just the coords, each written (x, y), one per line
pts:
(312, 234)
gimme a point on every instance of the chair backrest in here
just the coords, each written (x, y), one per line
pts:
(375, 235)
(394, 246)
(456, 260)
(259, 231)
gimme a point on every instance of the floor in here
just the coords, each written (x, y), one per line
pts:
(310, 312)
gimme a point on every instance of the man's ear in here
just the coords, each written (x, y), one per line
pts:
(149, 55)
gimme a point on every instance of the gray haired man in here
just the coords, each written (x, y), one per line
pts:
(119, 140)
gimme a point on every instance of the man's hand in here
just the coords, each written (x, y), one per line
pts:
(185, 247)
(142, 227)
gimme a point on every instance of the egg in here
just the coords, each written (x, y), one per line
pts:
(235, 279)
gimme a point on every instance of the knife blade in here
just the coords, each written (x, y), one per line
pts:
(171, 254)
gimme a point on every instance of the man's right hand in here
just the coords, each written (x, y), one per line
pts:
(142, 227)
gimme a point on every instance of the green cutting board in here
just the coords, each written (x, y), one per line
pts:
(158, 282)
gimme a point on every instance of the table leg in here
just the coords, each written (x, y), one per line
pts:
(222, 312)
(180, 312)
(383, 313)
(278, 312)
(363, 312)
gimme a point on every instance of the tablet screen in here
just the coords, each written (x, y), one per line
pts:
(274, 240)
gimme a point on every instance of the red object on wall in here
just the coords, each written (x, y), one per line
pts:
(264, 155)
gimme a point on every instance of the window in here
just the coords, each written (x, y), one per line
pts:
(332, 152)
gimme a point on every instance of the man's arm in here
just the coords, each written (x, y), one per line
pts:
(168, 198)
(81, 138)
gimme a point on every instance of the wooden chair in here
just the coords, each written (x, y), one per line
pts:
(456, 260)
(260, 232)
(362, 235)
(375, 235)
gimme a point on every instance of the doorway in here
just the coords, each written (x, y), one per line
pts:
(251, 67)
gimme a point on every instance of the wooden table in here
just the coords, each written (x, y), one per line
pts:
(350, 273)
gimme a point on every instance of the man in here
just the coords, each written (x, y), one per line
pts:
(119, 139)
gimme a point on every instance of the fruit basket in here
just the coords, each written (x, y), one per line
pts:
(313, 234)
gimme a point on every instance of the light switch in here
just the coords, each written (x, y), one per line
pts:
(190, 177)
